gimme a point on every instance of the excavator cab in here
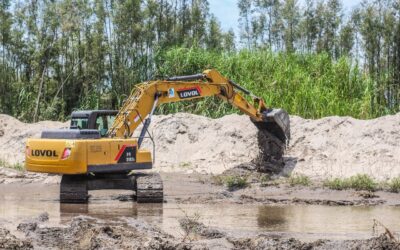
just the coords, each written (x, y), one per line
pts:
(100, 120)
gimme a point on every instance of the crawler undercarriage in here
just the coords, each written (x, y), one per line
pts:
(147, 187)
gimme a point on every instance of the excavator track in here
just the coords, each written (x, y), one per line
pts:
(149, 188)
(74, 189)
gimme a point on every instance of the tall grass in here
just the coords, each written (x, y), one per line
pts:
(357, 182)
(308, 85)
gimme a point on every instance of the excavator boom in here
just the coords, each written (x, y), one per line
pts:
(146, 96)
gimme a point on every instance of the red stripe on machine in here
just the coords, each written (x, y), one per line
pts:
(120, 153)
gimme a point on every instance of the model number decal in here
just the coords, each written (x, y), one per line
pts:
(126, 154)
(189, 92)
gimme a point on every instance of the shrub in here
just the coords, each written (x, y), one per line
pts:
(362, 182)
(299, 180)
(394, 185)
(357, 182)
(236, 182)
(336, 184)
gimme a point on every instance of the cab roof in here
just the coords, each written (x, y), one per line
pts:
(87, 113)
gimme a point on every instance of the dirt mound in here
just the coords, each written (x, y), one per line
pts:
(344, 146)
(186, 142)
(328, 147)
(13, 134)
(323, 148)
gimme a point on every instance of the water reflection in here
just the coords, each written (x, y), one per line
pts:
(327, 221)
(110, 211)
(272, 217)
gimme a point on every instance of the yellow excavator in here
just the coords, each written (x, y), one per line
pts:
(99, 152)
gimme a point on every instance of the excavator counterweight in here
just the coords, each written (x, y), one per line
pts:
(98, 151)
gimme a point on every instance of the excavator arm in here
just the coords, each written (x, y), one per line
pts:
(145, 97)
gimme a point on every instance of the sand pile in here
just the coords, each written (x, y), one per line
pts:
(328, 147)
(13, 134)
(344, 146)
(186, 142)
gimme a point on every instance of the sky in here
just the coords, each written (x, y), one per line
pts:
(227, 12)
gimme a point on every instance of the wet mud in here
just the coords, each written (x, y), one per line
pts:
(199, 214)
(88, 233)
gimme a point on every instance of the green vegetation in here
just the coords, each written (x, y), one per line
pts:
(236, 182)
(362, 182)
(184, 164)
(232, 182)
(357, 182)
(308, 85)
(265, 180)
(313, 59)
(190, 225)
(299, 180)
(394, 185)
(17, 166)
(336, 184)
(217, 180)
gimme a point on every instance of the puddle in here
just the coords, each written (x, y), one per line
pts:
(306, 222)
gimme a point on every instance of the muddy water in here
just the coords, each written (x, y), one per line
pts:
(304, 222)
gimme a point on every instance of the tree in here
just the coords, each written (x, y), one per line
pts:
(5, 42)
(214, 38)
(308, 26)
(229, 41)
(244, 21)
(346, 40)
(291, 17)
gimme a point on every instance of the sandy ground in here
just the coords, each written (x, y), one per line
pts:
(320, 149)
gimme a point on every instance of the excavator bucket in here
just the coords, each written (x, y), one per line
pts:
(273, 137)
(276, 124)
